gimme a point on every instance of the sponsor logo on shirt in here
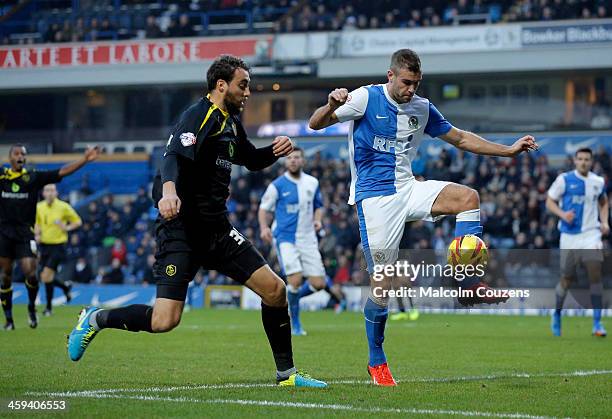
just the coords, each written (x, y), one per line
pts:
(188, 139)
(388, 145)
(13, 195)
(224, 163)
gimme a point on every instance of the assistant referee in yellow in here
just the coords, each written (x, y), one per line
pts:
(54, 220)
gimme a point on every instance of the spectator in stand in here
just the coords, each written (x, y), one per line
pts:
(94, 30)
(82, 271)
(115, 274)
(152, 30)
(142, 202)
(185, 28)
(107, 30)
(78, 34)
(119, 251)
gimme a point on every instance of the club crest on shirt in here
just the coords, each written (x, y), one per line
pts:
(26, 178)
(234, 129)
(188, 139)
(413, 122)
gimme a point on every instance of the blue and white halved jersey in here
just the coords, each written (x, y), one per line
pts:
(384, 138)
(581, 194)
(293, 201)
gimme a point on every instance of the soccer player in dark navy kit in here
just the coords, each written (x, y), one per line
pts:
(193, 230)
(19, 190)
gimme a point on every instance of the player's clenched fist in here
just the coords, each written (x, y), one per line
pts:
(169, 206)
(282, 146)
(337, 98)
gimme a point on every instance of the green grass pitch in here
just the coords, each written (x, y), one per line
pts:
(217, 363)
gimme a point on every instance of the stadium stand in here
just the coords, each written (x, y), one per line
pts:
(70, 21)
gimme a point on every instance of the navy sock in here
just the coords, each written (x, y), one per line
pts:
(468, 222)
(293, 299)
(61, 285)
(6, 297)
(134, 318)
(375, 320)
(276, 324)
(305, 290)
(49, 294)
(596, 301)
(400, 304)
(32, 287)
(560, 294)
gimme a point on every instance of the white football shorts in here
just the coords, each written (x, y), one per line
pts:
(579, 248)
(300, 257)
(382, 218)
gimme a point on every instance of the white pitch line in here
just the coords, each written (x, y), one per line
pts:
(85, 393)
(505, 376)
(347, 407)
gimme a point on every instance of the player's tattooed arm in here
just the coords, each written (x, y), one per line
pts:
(325, 115)
(468, 141)
(91, 154)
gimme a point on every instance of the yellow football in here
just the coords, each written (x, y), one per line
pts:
(467, 250)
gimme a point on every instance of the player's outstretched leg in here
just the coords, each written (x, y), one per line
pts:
(277, 325)
(465, 203)
(133, 318)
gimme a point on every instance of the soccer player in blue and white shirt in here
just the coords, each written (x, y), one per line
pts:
(579, 199)
(389, 121)
(295, 198)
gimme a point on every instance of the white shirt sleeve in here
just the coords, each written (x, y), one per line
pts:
(269, 198)
(355, 105)
(557, 189)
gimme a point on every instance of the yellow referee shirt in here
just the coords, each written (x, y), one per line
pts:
(49, 217)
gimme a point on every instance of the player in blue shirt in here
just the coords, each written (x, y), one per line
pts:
(295, 199)
(579, 199)
(389, 121)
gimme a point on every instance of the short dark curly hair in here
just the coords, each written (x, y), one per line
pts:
(223, 68)
(406, 59)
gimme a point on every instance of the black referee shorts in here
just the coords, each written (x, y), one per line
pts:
(15, 247)
(182, 250)
(52, 255)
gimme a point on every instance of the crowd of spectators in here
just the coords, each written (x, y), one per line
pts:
(192, 18)
(115, 244)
